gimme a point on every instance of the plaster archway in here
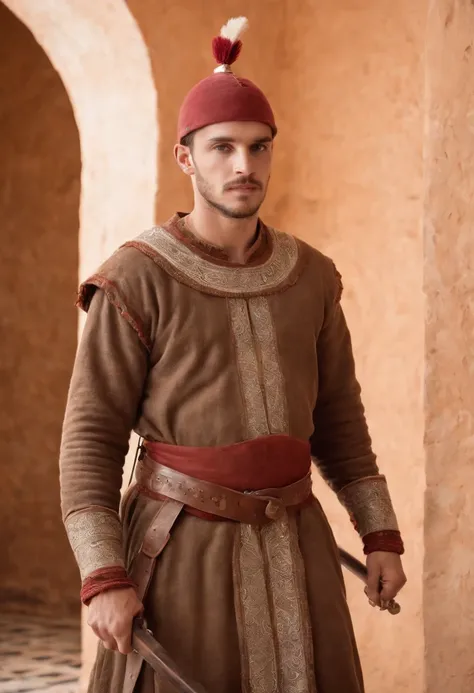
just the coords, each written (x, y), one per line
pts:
(99, 52)
(40, 170)
(102, 59)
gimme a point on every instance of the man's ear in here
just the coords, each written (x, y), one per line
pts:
(184, 159)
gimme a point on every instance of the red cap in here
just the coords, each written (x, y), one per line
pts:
(223, 97)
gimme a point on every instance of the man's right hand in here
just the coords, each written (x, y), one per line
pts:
(111, 615)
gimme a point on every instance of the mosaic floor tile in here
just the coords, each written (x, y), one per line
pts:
(40, 655)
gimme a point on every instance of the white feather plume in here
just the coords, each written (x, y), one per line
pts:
(234, 28)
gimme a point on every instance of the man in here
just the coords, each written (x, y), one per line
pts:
(223, 344)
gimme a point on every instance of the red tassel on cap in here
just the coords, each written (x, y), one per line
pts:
(226, 52)
(226, 47)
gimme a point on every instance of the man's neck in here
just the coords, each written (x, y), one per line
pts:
(234, 236)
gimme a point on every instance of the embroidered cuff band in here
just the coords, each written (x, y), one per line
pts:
(95, 536)
(368, 503)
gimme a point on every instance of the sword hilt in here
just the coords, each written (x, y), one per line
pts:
(358, 569)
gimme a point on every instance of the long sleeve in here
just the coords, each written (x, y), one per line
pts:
(103, 403)
(341, 445)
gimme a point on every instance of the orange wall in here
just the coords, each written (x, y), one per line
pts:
(39, 203)
(449, 287)
(357, 193)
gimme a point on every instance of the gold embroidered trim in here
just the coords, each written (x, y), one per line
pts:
(257, 644)
(261, 378)
(273, 381)
(275, 632)
(368, 500)
(247, 363)
(228, 281)
(305, 616)
(290, 607)
(96, 539)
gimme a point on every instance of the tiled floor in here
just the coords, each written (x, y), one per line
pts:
(39, 654)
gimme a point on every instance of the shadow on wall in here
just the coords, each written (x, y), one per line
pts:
(40, 169)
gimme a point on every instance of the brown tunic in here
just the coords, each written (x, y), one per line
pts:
(188, 349)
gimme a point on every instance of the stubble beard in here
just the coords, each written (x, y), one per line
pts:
(228, 212)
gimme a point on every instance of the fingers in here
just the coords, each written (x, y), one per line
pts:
(110, 644)
(111, 615)
(389, 591)
(123, 636)
(107, 640)
(385, 578)
(391, 586)
(124, 639)
(124, 642)
(115, 636)
(373, 586)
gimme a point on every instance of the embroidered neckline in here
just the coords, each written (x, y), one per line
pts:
(191, 268)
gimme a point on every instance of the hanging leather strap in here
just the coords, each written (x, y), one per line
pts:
(156, 537)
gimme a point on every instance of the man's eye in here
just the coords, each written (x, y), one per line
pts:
(222, 147)
(260, 147)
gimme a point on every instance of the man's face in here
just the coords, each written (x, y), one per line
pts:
(230, 166)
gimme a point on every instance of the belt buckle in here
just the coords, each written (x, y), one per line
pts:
(274, 509)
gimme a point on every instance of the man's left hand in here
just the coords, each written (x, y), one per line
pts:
(385, 577)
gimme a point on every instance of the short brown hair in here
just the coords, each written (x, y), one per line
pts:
(188, 140)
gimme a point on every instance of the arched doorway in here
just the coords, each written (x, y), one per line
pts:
(115, 106)
(40, 168)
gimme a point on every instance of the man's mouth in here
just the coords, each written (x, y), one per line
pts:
(245, 188)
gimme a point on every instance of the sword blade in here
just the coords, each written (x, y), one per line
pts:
(353, 564)
(152, 652)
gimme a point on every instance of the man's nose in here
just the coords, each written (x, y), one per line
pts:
(243, 163)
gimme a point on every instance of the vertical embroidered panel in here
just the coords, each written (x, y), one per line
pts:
(257, 640)
(274, 384)
(261, 378)
(247, 363)
(272, 610)
(271, 600)
(290, 606)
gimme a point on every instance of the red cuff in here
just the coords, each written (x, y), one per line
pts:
(103, 580)
(389, 540)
